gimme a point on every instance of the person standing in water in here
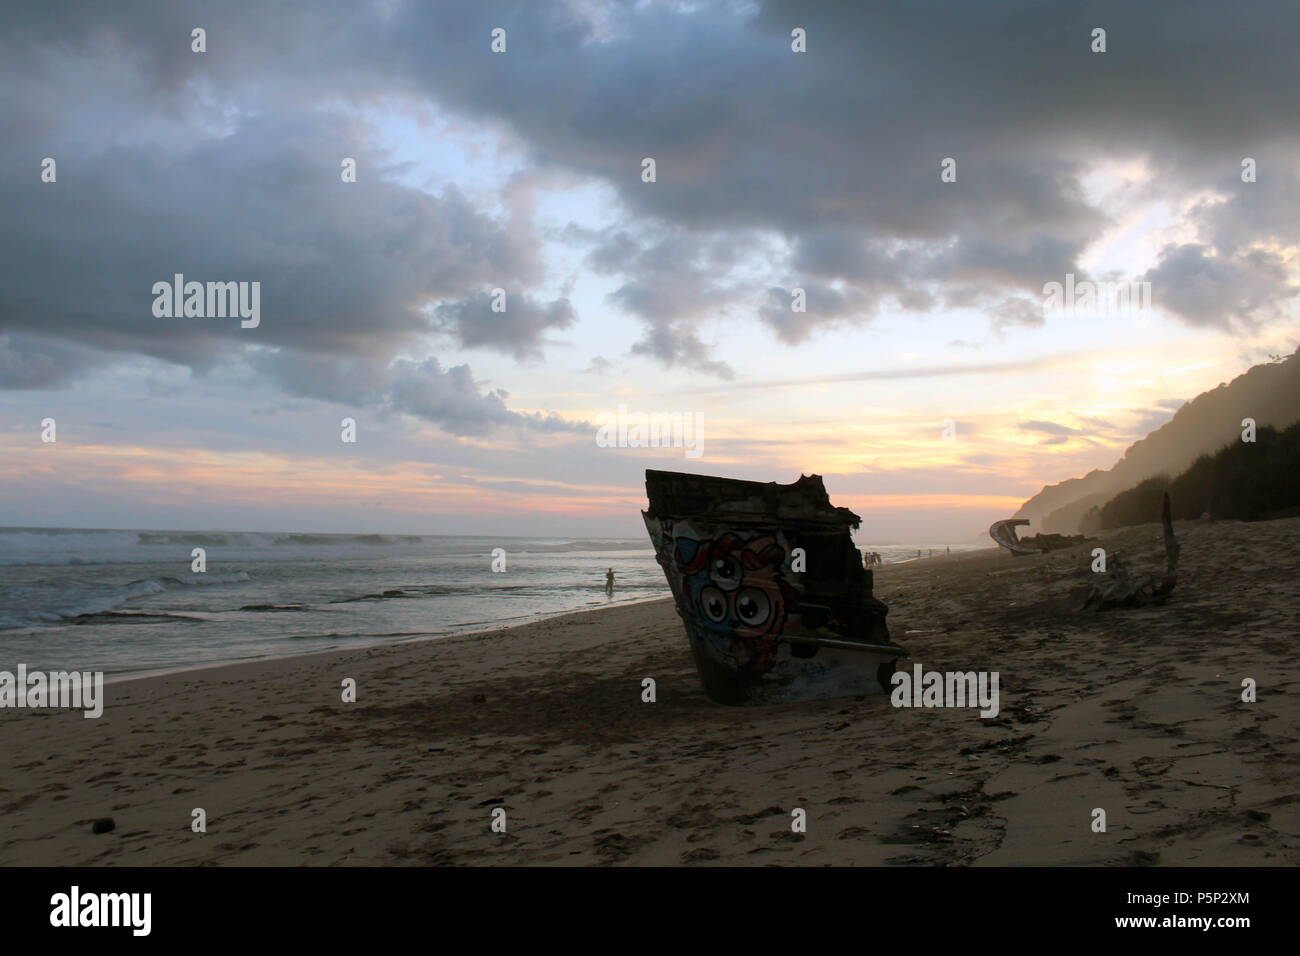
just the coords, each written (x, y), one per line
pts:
(609, 581)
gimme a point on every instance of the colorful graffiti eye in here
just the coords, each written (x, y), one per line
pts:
(714, 604)
(753, 606)
(725, 573)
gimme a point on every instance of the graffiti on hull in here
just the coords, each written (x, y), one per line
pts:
(739, 594)
(770, 588)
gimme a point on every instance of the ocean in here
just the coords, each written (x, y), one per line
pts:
(126, 602)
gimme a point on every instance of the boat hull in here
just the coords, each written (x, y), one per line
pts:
(832, 673)
(772, 593)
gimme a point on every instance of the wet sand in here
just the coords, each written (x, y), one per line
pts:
(1137, 712)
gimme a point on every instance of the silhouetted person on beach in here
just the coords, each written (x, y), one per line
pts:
(609, 581)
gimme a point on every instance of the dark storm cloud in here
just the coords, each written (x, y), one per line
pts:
(821, 168)
(36, 362)
(1219, 290)
(453, 398)
(823, 303)
(341, 265)
(174, 163)
(450, 397)
(674, 344)
(839, 149)
(344, 269)
(517, 330)
(675, 280)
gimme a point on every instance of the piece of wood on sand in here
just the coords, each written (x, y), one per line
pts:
(1119, 587)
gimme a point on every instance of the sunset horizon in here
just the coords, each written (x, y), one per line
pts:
(188, 488)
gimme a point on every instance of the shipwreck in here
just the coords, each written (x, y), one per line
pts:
(773, 593)
(1004, 533)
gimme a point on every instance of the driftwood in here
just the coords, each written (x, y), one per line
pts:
(1120, 588)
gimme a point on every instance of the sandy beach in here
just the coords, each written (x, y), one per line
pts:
(1138, 712)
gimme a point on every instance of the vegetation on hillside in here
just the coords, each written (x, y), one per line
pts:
(1248, 481)
(1269, 393)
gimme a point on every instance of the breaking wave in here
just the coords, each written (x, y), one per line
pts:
(84, 604)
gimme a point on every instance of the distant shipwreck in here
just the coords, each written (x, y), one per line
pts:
(1004, 533)
(1116, 586)
(773, 593)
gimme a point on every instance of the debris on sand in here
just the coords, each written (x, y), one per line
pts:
(1120, 588)
(1004, 533)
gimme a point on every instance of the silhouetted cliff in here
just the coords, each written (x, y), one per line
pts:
(1270, 394)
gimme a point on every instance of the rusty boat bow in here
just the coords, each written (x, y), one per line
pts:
(772, 591)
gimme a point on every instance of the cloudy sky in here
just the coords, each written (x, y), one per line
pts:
(775, 170)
